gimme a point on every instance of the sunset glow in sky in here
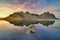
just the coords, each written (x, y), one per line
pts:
(7, 7)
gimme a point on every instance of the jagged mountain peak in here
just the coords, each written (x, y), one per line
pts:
(47, 15)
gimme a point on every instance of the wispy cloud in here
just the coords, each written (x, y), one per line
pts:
(33, 6)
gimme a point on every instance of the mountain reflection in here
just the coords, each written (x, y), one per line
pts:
(31, 28)
(27, 23)
(47, 23)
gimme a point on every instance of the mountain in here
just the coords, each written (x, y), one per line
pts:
(18, 15)
(47, 15)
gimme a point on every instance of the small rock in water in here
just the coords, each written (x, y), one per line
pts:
(31, 29)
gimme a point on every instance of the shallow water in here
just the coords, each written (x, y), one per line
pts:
(11, 32)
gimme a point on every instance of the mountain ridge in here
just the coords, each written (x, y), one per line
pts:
(45, 15)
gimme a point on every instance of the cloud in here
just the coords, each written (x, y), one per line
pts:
(6, 9)
(51, 8)
(27, 5)
(20, 7)
(16, 0)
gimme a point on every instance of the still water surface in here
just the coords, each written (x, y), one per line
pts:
(11, 32)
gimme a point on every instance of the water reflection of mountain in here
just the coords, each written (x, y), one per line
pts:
(47, 23)
(27, 23)
(31, 28)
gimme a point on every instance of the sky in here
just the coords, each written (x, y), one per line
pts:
(8, 7)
